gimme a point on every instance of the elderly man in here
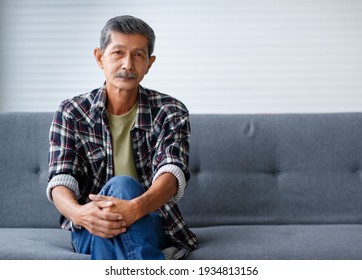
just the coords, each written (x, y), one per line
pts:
(118, 160)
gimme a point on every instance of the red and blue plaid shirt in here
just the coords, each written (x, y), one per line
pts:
(80, 155)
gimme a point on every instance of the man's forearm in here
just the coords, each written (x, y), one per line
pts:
(161, 191)
(65, 201)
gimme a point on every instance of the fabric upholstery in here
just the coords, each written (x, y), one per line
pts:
(279, 242)
(24, 169)
(275, 169)
(36, 243)
(262, 187)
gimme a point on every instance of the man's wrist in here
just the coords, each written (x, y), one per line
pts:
(139, 207)
(74, 217)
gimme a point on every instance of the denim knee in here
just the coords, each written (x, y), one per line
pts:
(124, 187)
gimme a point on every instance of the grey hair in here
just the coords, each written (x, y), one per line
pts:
(127, 25)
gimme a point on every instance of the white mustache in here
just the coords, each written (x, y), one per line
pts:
(126, 75)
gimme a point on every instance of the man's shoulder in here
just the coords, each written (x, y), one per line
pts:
(79, 105)
(164, 102)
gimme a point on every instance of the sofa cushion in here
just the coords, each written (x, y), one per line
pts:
(274, 169)
(36, 244)
(24, 169)
(258, 242)
(279, 242)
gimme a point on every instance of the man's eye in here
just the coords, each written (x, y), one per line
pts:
(138, 54)
(118, 52)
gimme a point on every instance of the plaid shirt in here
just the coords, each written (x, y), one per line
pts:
(81, 158)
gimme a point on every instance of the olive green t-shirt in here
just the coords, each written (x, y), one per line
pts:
(121, 126)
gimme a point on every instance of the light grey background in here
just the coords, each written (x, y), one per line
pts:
(229, 56)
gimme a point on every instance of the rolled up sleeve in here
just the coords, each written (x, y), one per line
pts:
(63, 158)
(173, 149)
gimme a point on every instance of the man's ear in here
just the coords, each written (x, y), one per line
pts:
(152, 60)
(98, 56)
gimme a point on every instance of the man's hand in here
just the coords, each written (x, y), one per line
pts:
(98, 222)
(125, 208)
(90, 216)
(131, 210)
(107, 216)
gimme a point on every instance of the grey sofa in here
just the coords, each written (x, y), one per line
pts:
(263, 187)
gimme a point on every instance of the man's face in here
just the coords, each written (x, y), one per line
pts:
(125, 61)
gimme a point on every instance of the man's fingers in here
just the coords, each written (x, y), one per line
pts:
(103, 204)
(109, 216)
(109, 228)
(102, 201)
(98, 197)
(110, 234)
(107, 225)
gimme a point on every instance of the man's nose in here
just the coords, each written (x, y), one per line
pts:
(127, 63)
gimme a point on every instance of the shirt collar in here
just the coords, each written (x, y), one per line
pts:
(144, 115)
(100, 98)
(98, 105)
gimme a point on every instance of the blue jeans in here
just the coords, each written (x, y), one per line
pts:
(144, 240)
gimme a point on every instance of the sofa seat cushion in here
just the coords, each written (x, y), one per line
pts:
(36, 244)
(279, 242)
(247, 242)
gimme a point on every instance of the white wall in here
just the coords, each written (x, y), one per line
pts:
(228, 56)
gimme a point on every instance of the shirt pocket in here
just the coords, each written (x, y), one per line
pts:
(94, 152)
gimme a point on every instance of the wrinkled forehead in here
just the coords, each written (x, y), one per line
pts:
(128, 41)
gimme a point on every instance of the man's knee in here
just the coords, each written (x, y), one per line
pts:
(124, 187)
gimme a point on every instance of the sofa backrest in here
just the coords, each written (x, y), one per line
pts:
(275, 169)
(246, 169)
(24, 170)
